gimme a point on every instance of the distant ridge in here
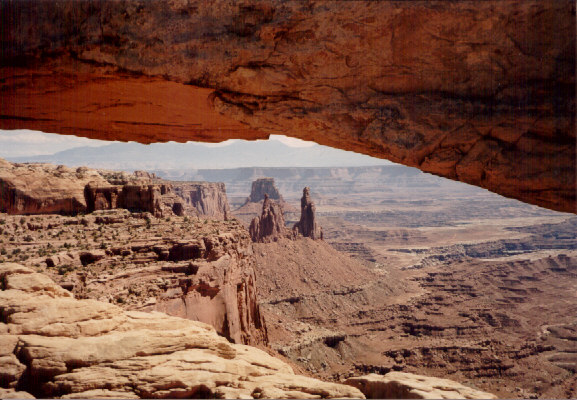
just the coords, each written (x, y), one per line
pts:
(136, 156)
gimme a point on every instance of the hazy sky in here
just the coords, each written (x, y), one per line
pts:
(22, 143)
(278, 151)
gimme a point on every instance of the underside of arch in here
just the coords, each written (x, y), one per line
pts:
(481, 92)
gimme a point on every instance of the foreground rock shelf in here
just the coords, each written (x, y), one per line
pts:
(53, 345)
(481, 92)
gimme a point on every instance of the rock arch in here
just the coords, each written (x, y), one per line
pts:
(481, 92)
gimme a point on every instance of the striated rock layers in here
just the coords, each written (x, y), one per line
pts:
(307, 225)
(53, 345)
(270, 226)
(402, 385)
(482, 92)
(46, 189)
(263, 187)
(202, 270)
(207, 198)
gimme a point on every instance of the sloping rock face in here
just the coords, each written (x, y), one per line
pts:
(56, 346)
(402, 385)
(307, 226)
(44, 188)
(270, 226)
(207, 198)
(482, 92)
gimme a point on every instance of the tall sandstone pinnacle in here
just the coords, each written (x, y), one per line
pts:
(307, 226)
(270, 226)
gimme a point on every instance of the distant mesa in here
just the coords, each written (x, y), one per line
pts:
(261, 188)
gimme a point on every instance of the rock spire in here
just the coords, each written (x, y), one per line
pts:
(307, 225)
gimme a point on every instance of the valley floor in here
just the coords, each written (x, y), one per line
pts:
(479, 290)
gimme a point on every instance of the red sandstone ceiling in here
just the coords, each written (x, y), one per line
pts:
(481, 92)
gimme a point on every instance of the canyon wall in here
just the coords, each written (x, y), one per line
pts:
(49, 189)
(481, 92)
(207, 198)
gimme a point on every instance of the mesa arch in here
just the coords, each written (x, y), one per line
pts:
(482, 92)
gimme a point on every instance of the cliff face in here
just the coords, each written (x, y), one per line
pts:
(482, 92)
(43, 188)
(215, 283)
(207, 198)
(47, 189)
(202, 270)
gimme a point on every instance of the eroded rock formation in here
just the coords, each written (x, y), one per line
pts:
(270, 226)
(262, 188)
(307, 226)
(202, 270)
(482, 92)
(53, 345)
(207, 198)
(44, 188)
(402, 385)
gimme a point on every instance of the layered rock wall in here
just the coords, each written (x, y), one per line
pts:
(207, 198)
(44, 188)
(481, 92)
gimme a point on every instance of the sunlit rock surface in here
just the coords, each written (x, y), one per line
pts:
(402, 385)
(56, 346)
(481, 92)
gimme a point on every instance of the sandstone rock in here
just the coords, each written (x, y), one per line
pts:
(43, 189)
(207, 198)
(131, 354)
(62, 259)
(263, 187)
(101, 197)
(89, 257)
(402, 385)
(307, 225)
(141, 197)
(450, 87)
(270, 226)
(14, 394)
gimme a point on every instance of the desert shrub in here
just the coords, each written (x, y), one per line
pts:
(64, 269)
(28, 238)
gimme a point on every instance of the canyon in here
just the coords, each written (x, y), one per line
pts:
(414, 275)
(480, 92)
